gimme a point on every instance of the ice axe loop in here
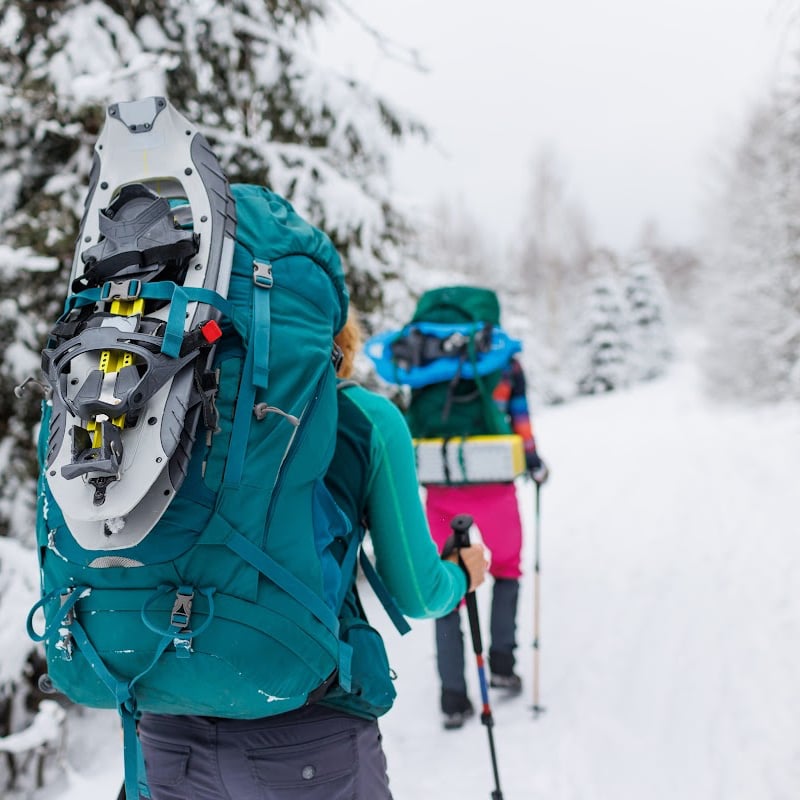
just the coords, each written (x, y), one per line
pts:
(461, 525)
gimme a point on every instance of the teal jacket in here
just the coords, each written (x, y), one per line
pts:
(373, 479)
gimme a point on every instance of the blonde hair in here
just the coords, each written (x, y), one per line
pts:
(349, 340)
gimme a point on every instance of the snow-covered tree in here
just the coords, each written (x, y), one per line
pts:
(601, 352)
(680, 267)
(754, 298)
(647, 311)
(244, 71)
(549, 260)
(554, 246)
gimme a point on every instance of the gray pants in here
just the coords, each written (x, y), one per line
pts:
(502, 633)
(314, 753)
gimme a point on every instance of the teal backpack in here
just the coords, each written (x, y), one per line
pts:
(192, 559)
(229, 605)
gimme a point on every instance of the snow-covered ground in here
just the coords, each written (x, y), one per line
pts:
(670, 620)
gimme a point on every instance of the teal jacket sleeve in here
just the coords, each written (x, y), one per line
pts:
(406, 557)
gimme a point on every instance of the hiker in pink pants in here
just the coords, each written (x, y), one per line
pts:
(494, 508)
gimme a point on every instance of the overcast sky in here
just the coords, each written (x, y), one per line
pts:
(636, 97)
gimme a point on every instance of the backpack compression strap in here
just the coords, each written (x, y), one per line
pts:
(122, 691)
(255, 374)
(178, 297)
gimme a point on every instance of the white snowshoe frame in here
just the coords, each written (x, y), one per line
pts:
(126, 406)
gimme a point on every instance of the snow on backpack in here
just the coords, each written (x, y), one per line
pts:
(452, 354)
(184, 530)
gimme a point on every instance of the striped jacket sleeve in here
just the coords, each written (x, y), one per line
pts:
(510, 397)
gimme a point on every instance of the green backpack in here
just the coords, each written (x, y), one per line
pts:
(460, 406)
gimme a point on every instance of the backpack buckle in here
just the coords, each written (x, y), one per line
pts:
(181, 610)
(454, 342)
(183, 645)
(262, 274)
(179, 618)
(126, 290)
(337, 356)
(66, 644)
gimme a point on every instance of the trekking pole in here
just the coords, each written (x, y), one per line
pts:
(461, 525)
(537, 570)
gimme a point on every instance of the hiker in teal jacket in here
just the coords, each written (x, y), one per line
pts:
(329, 750)
(373, 479)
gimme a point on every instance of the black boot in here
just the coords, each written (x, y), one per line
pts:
(456, 708)
(501, 666)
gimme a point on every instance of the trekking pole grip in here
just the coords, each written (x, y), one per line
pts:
(461, 524)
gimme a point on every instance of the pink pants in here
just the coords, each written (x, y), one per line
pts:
(494, 508)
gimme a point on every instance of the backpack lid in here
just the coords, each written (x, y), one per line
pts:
(269, 227)
(458, 304)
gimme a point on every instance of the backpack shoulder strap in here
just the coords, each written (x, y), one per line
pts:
(355, 552)
(382, 593)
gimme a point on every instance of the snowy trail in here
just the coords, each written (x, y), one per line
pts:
(670, 629)
(670, 623)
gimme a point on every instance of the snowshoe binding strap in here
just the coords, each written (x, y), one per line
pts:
(141, 238)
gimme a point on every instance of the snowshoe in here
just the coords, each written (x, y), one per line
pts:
(129, 361)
